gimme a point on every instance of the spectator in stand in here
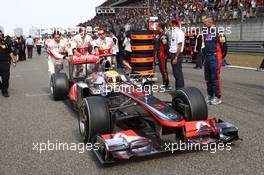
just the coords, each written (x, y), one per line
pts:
(30, 45)
(190, 11)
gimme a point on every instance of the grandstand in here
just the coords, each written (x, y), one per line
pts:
(116, 14)
(190, 11)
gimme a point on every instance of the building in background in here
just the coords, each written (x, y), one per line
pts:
(34, 31)
(18, 31)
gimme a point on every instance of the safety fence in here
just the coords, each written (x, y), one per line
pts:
(246, 46)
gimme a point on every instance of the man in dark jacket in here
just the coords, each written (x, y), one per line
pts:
(162, 50)
(22, 49)
(198, 50)
(120, 55)
(6, 57)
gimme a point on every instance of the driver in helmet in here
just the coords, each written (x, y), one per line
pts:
(113, 77)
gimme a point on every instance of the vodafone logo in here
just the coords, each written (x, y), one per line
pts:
(201, 124)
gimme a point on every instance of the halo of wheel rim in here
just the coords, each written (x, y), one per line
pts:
(83, 124)
(51, 87)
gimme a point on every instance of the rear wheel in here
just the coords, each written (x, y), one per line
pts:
(94, 118)
(190, 103)
(59, 86)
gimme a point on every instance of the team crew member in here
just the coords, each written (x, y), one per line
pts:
(224, 47)
(81, 43)
(103, 45)
(6, 56)
(57, 48)
(198, 50)
(212, 63)
(162, 48)
(127, 52)
(115, 49)
(176, 53)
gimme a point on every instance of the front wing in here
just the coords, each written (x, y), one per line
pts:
(127, 144)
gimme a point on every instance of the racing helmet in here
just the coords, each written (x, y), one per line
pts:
(221, 37)
(113, 77)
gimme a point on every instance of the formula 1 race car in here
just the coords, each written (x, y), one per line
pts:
(125, 121)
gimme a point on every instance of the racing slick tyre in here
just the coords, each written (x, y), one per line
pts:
(142, 60)
(94, 118)
(141, 55)
(59, 86)
(142, 37)
(142, 48)
(143, 68)
(190, 103)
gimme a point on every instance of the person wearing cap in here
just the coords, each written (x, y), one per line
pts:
(213, 62)
(177, 38)
(6, 58)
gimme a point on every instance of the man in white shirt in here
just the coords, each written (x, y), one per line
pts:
(115, 49)
(30, 44)
(81, 43)
(57, 47)
(127, 52)
(177, 39)
(103, 45)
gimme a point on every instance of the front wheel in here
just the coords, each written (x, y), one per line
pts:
(190, 103)
(94, 118)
